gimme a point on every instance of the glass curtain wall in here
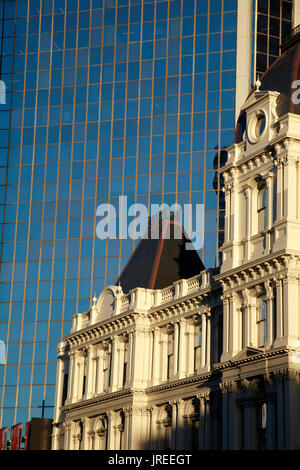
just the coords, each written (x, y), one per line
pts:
(103, 98)
(271, 24)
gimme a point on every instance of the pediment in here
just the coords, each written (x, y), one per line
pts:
(254, 98)
(107, 302)
(247, 352)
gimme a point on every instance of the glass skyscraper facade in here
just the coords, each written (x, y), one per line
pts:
(272, 22)
(103, 98)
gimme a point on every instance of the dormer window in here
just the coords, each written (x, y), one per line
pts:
(262, 208)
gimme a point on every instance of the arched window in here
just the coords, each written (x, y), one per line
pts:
(261, 321)
(262, 208)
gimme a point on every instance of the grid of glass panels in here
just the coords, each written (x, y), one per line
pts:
(272, 22)
(104, 98)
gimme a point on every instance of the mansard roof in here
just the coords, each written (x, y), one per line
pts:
(157, 263)
(279, 77)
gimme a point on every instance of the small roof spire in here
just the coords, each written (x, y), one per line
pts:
(94, 300)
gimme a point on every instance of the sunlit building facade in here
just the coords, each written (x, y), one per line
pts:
(103, 98)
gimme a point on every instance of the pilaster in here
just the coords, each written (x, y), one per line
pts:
(90, 372)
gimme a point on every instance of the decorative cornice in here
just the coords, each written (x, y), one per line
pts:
(269, 269)
(255, 358)
(179, 383)
(99, 399)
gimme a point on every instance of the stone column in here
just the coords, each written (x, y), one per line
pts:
(180, 425)
(127, 427)
(141, 351)
(156, 356)
(201, 422)
(230, 417)
(225, 418)
(248, 220)
(72, 362)
(55, 437)
(110, 430)
(291, 168)
(74, 443)
(176, 347)
(235, 210)
(85, 438)
(227, 213)
(269, 183)
(90, 374)
(290, 290)
(226, 218)
(225, 353)
(174, 423)
(207, 433)
(95, 369)
(118, 431)
(81, 373)
(164, 356)
(122, 346)
(252, 315)
(99, 371)
(154, 427)
(67, 438)
(114, 363)
(270, 315)
(279, 312)
(129, 365)
(203, 340)
(59, 384)
(190, 342)
(182, 350)
(76, 377)
(280, 190)
(138, 428)
(92, 438)
(249, 320)
(235, 324)
(208, 339)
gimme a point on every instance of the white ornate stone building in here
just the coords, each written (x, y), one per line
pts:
(135, 365)
(209, 362)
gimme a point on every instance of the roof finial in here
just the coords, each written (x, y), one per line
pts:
(94, 300)
(257, 83)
